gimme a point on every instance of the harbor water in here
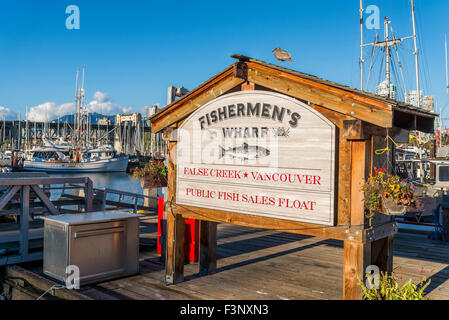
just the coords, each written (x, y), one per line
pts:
(113, 180)
(121, 181)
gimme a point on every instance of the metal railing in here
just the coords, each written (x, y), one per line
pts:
(102, 194)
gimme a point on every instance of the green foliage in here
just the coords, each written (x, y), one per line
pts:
(390, 289)
(154, 174)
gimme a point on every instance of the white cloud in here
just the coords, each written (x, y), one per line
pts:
(49, 111)
(7, 114)
(101, 96)
(101, 103)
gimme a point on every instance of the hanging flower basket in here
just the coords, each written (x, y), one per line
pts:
(389, 194)
(153, 175)
(389, 207)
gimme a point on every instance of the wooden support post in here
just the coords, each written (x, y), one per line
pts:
(175, 233)
(208, 247)
(360, 167)
(357, 255)
(89, 194)
(24, 219)
(174, 262)
(382, 254)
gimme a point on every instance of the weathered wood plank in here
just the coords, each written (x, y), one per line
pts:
(43, 284)
(24, 219)
(8, 195)
(208, 247)
(186, 105)
(335, 99)
(174, 263)
(48, 204)
(338, 232)
(343, 166)
(360, 153)
(356, 258)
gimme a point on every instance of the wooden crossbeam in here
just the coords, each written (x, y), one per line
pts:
(7, 196)
(216, 87)
(334, 99)
(45, 199)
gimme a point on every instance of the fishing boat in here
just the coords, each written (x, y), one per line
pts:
(78, 155)
(113, 164)
(63, 158)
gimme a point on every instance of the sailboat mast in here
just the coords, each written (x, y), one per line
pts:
(447, 78)
(75, 118)
(416, 54)
(387, 58)
(81, 100)
(361, 45)
(418, 93)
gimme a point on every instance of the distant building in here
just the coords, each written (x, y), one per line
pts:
(412, 97)
(382, 90)
(426, 102)
(429, 103)
(152, 110)
(104, 121)
(133, 117)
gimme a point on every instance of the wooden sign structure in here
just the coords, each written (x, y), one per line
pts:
(267, 147)
(259, 153)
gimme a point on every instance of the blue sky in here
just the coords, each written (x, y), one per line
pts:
(133, 50)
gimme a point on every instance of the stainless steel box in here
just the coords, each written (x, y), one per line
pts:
(103, 245)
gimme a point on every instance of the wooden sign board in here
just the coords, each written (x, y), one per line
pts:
(258, 153)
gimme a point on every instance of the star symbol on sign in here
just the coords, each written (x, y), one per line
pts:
(245, 175)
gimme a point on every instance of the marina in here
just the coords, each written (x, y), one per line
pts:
(260, 182)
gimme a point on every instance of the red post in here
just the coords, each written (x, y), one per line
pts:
(160, 221)
(191, 234)
(191, 240)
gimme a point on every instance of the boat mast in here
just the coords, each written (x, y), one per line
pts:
(387, 57)
(361, 45)
(81, 105)
(418, 94)
(416, 53)
(447, 78)
(75, 118)
(387, 44)
(26, 127)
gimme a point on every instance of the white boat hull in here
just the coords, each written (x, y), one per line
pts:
(111, 165)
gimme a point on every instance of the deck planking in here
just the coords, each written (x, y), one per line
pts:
(258, 264)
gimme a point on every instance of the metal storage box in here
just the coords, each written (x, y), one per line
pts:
(103, 245)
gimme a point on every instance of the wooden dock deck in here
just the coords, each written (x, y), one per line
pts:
(259, 264)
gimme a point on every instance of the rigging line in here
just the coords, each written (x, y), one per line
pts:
(405, 73)
(372, 62)
(424, 54)
(381, 69)
(399, 60)
(396, 75)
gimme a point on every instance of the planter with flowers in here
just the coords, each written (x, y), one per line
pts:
(389, 194)
(152, 177)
